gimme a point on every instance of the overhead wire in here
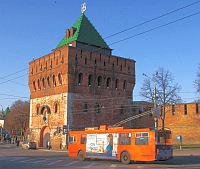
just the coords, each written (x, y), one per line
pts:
(138, 26)
(129, 29)
(152, 19)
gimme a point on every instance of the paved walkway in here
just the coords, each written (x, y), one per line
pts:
(39, 148)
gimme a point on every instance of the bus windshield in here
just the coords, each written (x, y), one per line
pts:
(163, 137)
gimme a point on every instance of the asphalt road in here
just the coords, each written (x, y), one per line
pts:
(12, 157)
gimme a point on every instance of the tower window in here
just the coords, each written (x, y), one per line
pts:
(38, 109)
(173, 110)
(90, 80)
(39, 87)
(34, 87)
(54, 80)
(43, 83)
(80, 77)
(85, 108)
(90, 55)
(104, 65)
(59, 79)
(129, 70)
(197, 108)
(48, 82)
(121, 110)
(99, 81)
(108, 82)
(97, 108)
(95, 62)
(113, 66)
(56, 107)
(124, 85)
(116, 84)
(185, 109)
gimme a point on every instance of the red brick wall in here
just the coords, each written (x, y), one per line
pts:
(186, 124)
(67, 62)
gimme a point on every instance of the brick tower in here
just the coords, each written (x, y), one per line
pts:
(80, 84)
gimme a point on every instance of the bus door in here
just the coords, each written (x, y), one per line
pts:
(164, 149)
(72, 145)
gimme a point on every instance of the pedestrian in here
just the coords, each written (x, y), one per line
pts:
(49, 145)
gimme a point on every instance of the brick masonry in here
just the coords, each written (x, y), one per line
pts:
(78, 87)
(184, 120)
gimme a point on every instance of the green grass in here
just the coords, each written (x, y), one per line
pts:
(185, 146)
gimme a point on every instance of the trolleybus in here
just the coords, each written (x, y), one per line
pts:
(119, 143)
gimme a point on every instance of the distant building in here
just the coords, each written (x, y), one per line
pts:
(80, 84)
(145, 121)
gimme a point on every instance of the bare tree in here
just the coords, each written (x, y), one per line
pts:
(161, 90)
(197, 82)
(18, 116)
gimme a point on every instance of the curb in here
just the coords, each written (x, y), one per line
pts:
(53, 150)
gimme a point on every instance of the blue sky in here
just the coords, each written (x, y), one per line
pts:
(32, 28)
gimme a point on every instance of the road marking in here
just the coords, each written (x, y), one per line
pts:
(18, 158)
(70, 163)
(113, 166)
(3, 158)
(40, 161)
(90, 165)
(55, 162)
(24, 161)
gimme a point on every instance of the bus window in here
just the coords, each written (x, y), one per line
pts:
(72, 139)
(141, 138)
(83, 139)
(164, 137)
(125, 138)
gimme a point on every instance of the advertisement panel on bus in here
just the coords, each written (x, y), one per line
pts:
(102, 145)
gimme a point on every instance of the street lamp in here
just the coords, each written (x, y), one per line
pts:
(154, 99)
(2, 125)
(1, 111)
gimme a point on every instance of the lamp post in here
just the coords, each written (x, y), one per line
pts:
(2, 125)
(154, 100)
(1, 111)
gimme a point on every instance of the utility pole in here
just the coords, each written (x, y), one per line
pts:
(154, 100)
(155, 106)
(2, 125)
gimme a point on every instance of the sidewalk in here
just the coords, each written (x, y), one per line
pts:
(54, 150)
(38, 148)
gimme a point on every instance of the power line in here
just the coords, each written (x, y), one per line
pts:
(14, 79)
(129, 29)
(14, 96)
(155, 28)
(132, 28)
(152, 19)
(13, 73)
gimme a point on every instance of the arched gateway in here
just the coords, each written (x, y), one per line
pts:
(44, 136)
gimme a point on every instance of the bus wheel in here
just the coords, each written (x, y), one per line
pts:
(125, 158)
(81, 155)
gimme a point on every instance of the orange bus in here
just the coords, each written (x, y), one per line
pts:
(123, 144)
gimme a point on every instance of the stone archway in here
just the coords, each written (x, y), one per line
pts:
(44, 136)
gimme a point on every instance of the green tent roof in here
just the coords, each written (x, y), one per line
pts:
(85, 33)
(6, 111)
